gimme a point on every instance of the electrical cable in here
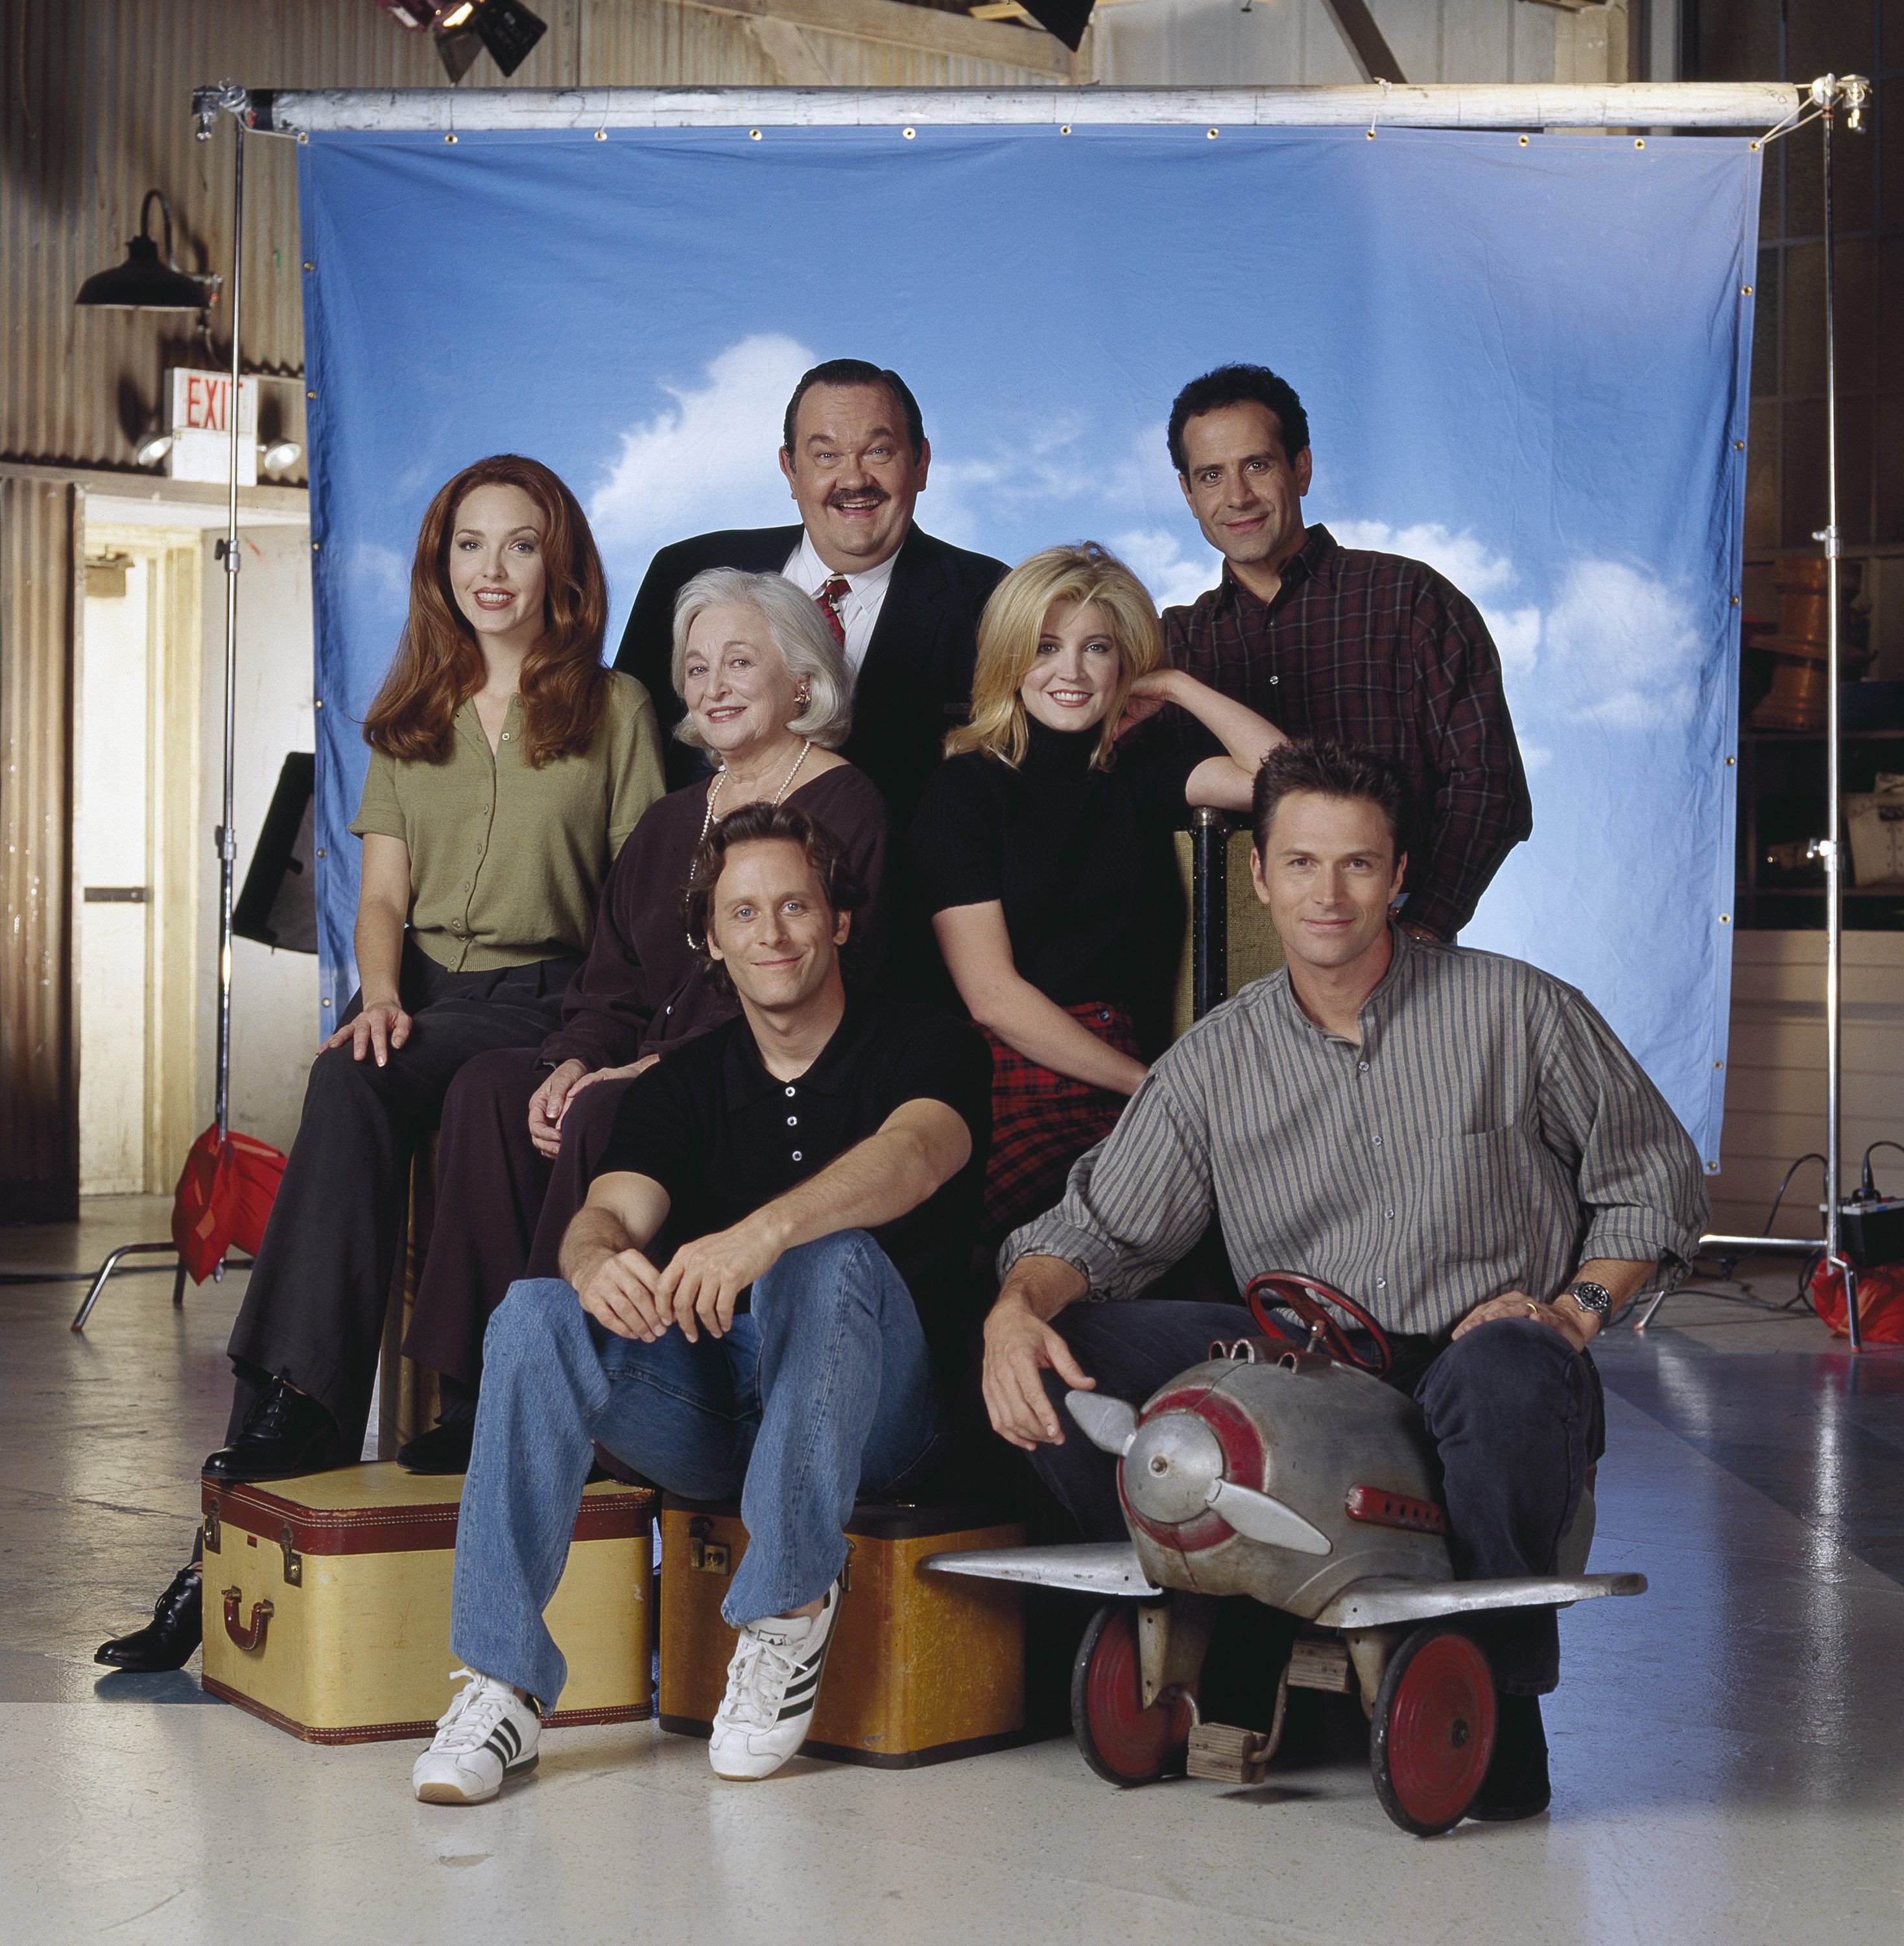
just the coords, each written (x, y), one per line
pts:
(1811, 1155)
(1806, 1265)
(1869, 1188)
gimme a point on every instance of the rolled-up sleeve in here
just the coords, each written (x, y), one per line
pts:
(1139, 1201)
(1642, 1191)
(379, 814)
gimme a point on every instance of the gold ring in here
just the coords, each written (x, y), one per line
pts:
(1533, 1309)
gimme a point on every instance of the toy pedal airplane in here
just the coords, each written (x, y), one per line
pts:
(1292, 1475)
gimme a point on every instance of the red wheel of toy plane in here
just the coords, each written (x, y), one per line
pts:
(1290, 1290)
(1122, 1741)
(1432, 1732)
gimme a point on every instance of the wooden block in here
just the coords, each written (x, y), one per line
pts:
(1226, 1754)
(1320, 1665)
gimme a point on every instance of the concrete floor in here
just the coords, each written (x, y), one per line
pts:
(1728, 1750)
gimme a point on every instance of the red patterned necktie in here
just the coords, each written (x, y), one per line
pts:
(834, 590)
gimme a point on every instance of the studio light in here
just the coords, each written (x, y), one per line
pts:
(279, 455)
(144, 282)
(463, 28)
(153, 448)
(509, 30)
(1066, 19)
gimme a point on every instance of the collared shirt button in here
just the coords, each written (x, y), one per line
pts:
(793, 1121)
(1381, 1284)
(505, 735)
(791, 1092)
(1363, 1065)
(1377, 1142)
(796, 1155)
(1274, 680)
(1390, 1214)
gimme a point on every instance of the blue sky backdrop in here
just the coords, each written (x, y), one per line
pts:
(1524, 364)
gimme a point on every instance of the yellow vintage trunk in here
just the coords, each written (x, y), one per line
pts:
(922, 1668)
(327, 1603)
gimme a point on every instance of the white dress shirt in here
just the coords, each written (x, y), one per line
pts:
(866, 595)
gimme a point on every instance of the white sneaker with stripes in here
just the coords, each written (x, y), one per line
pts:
(772, 1683)
(486, 1733)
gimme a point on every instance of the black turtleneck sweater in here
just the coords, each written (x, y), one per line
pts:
(1079, 858)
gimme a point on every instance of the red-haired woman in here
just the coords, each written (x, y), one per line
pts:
(507, 766)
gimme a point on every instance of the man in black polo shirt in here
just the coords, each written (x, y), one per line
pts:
(761, 1296)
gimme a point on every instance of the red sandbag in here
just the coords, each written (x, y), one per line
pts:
(224, 1196)
(1880, 1302)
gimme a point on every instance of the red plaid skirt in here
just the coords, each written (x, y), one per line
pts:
(1042, 1123)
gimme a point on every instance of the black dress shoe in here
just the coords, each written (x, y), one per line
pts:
(1517, 1783)
(166, 1641)
(444, 1448)
(287, 1434)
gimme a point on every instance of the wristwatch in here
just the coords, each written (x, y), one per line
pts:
(1593, 1297)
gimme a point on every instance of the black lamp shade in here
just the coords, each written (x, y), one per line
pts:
(144, 283)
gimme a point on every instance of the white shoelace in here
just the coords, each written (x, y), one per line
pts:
(757, 1683)
(470, 1720)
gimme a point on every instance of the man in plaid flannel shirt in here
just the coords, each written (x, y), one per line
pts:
(1340, 643)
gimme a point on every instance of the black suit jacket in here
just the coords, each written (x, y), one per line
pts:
(914, 684)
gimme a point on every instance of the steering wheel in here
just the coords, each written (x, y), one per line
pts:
(1290, 1290)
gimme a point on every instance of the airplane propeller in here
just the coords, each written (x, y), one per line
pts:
(1261, 1517)
(1110, 1424)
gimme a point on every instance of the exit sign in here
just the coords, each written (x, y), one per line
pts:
(199, 422)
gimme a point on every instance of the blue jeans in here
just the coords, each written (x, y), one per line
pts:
(822, 1391)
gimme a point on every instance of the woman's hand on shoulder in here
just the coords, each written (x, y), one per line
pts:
(381, 1028)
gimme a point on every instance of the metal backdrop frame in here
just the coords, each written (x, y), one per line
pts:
(1777, 107)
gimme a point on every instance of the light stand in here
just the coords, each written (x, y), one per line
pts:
(1827, 95)
(207, 104)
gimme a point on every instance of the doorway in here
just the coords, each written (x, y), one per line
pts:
(137, 762)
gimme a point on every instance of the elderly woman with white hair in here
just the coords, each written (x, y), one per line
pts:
(768, 699)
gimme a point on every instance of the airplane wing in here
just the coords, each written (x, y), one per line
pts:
(1107, 1568)
(1381, 1599)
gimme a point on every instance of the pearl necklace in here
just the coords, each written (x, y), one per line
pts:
(720, 777)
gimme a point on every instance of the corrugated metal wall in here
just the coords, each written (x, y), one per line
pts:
(94, 106)
(1165, 43)
(39, 603)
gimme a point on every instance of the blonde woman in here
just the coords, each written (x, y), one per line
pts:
(1045, 849)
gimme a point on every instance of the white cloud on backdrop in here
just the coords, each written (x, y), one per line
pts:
(706, 462)
(1157, 556)
(1623, 649)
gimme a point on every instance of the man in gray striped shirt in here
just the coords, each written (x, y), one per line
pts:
(1455, 1140)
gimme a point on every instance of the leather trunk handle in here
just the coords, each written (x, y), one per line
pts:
(246, 1639)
